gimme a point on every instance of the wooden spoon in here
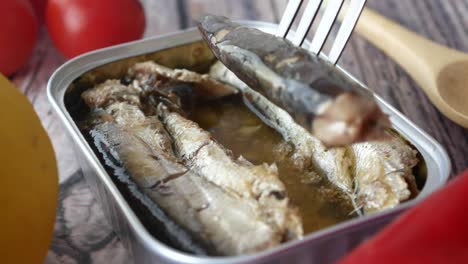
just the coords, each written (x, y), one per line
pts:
(440, 71)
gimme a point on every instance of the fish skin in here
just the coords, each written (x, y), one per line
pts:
(326, 102)
(308, 150)
(149, 129)
(109, 92)
(199, 206)
(374, 174)
(259, 183)
(126, 153)
(152, 74)
(230, 225)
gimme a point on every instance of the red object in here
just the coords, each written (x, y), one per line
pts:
(39, 9)
(78, 26)
(435, 231)
(18, 32)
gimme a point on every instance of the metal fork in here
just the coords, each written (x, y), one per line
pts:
(330, 14)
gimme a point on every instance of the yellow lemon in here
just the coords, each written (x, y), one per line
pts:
(28, 180)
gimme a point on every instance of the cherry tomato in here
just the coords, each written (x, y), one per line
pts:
(78, 26)
(18, 32)
(434, 231)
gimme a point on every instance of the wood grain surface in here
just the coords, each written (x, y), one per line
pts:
(82, 235)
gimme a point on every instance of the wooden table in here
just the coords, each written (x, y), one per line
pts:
(82, 234)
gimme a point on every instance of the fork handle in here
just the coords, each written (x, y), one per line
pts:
(420, 57)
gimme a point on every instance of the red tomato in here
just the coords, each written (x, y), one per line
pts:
(435, 231)
(78, 26)
(18, 32)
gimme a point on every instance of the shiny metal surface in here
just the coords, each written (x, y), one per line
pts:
(330, 14)
(307, 19)
(332, 9)
(353, 13)
(323, 246)
(288, 17)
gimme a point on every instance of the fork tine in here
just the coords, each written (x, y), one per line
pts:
(307, 19)
(349, 22)
(326, 23)
(288, 17)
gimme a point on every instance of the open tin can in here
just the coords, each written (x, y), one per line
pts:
(186, 50)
